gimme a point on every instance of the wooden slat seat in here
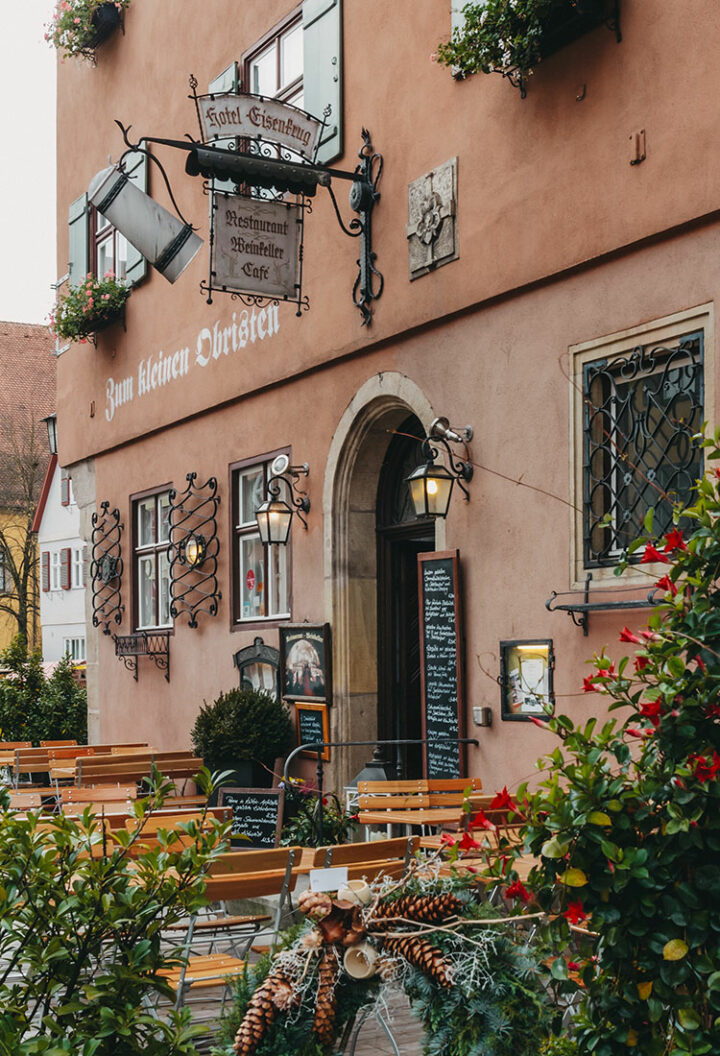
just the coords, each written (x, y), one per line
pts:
(137, 766)
(368, 860)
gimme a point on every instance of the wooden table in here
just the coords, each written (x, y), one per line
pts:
(427, 817)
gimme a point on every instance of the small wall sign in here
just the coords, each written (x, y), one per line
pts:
(305, 662)
(526, 679)
(313, 728)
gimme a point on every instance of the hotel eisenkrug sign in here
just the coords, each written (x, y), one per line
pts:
(256, 243)
(226, 115)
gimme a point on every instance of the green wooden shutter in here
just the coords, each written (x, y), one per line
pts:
(78, 253)
(227, 81)
(322, 71)
(137, 171)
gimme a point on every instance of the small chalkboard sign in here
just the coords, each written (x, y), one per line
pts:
(312, 727)
(443, 709)
(256, 814)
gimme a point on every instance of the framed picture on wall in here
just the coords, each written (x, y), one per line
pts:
(305, 656)
(312, 727)
(526, 679)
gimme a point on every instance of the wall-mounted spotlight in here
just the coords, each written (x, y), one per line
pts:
(431, 484)
(51, 423)
(274, 516)
(194, 550)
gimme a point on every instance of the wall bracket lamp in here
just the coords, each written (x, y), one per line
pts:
(274, 516)
(431, 484)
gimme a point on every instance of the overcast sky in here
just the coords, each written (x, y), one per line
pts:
(27, 172)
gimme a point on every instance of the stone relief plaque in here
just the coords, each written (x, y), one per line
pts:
(432, 223)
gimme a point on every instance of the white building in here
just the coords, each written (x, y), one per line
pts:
(62, 580)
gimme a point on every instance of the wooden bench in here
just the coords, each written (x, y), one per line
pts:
(123, 769)
(368, 860)
(437, 803)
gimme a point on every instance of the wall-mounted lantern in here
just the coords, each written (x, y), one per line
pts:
(274, 516)
(431, 484)
(51, 423)
(193, 551)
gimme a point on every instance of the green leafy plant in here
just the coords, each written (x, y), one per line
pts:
(626, 821)
(301, 807)
(80, 943)
(242, 724)
(71, 29)
(35, 708)
(555, 1046)
(88, 307)
(502, 35)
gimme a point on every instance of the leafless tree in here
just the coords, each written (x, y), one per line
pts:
(23, 461)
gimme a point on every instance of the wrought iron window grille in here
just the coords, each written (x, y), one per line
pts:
(155, 644)
(193, 550)
(642, 412)
(579, 611)
(106, 567)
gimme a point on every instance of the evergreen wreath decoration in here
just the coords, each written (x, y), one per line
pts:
(469, 972)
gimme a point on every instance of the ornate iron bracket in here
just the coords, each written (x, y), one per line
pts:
(193, 550)
(106, 567)
(579, 611)
(364, 194)
(155, 644)
(298, 499)
(441, 433)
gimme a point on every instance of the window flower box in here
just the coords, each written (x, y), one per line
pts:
(511, 37)
(79, 27)
(90, 307)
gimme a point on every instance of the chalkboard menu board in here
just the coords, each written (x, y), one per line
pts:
(443, 710)
(256, 813)
(312, 727)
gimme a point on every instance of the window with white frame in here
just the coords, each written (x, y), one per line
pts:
(640, 401)
(151, 561)
(275, 67)
(260, 573)
(55, 581)
(77, 579)
(74, 648)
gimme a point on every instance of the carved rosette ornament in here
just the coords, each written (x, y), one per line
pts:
(432, 226)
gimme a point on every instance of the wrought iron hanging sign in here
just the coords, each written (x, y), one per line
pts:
(267, 150)
(106, 567)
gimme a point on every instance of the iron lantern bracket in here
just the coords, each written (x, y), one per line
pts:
(298, 500)
(364, 195)
(579, 611)
(461, 468)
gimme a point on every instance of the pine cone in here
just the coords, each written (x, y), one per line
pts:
(422, 955)
(315, 904)
(275, 992)
(430, 909)
(326, 1003)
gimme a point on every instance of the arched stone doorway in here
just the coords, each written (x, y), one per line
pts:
(350, 505)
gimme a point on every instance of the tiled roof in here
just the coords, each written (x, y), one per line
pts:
(27, 394)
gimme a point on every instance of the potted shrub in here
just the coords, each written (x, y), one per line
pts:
(78, 27)
(511, 36)
(89, 307)
(244, 731)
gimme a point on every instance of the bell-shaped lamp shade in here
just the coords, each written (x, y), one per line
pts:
(273, 520)
(430, 490)
(162, 238)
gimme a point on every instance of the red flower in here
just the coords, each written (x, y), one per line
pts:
(573, 966)
(704, 770)
(481, 821)
(666, 584)
(446, 838)
(467, 843)
(518, 890)
(674, 541)
(652, 554)
(641, 662)
(701, 664)
(589, 686)
(650, 709)
(633, 731)
(651, 636)
(712, 711)
(503, 801)
(537, 721)
(626, 635)
(575, 913)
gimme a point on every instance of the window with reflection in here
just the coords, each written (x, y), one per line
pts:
(260, 574)
(151, 561)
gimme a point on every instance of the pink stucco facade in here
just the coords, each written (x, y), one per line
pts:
(562, 242)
